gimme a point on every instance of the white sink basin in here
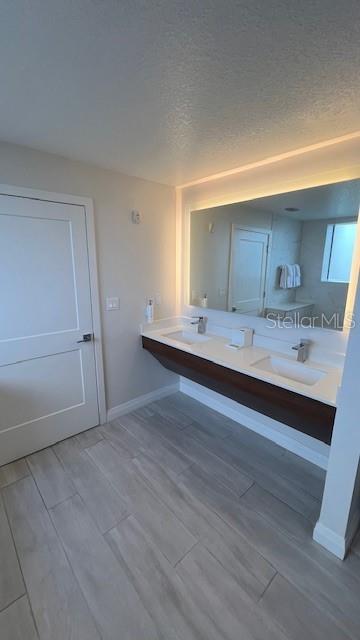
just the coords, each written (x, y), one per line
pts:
(187, 337)
(290, 370)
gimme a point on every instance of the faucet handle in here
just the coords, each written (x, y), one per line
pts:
(304, 342)
(303, 349)
(199, 319)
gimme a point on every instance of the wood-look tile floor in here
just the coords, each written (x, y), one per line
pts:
(170, 523)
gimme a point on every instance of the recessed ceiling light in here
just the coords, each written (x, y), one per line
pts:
(291, 209)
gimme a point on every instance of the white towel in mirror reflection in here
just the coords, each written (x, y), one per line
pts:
(290, 276)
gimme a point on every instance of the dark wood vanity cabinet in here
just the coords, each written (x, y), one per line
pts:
(309, 416)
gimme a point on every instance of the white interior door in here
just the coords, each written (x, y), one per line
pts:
(48, 387)
(248, 271)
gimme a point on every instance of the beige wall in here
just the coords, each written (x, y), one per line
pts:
(134, 261)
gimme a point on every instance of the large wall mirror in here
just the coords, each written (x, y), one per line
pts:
(286, 256)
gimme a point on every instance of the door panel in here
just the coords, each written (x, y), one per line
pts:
(248, 269)
(36, 383)
(47, 380)
(38, 254)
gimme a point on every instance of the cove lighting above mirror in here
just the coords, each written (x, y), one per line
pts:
(286, 257)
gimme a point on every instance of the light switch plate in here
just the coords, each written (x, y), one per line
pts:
(112, 304)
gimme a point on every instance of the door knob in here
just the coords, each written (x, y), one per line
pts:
(87, 337)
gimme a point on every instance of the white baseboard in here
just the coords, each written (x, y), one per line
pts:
(352, 528)
(332, 541)
(299, 443)
(141, 401)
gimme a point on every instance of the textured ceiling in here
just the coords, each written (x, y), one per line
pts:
(339, 200)
(174, 90)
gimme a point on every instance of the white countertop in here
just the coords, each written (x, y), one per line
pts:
(242, 360)
(289, 306)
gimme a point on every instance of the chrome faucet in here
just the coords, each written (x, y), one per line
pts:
(302, 349)
(201, 322)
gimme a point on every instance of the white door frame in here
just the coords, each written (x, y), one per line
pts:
(87, 204)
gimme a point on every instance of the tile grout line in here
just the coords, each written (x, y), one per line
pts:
(194, 464)
(283, 453)
(210, 508)
(237, 532)
(185, 554)
(148, 486)
(268, 585)
(191, 465)
(233, 494)
(294, 483)
(40, 492)
(277, 530)
(114, 526)
(113, 446)
(106, 533)
(210, 451)
(144, 448)
(249, 571)
(246, 490)
(288, 506)
(23, 595)
(9, 484)
(48, 511)
(158, 549)
(245, 473)
(26, 593)
(151, 489)
(182, 413)
(69, 563)
(203, 446)
(287, 536)
(122, 562)
(316, 605)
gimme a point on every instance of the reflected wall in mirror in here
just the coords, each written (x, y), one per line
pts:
(285, 257)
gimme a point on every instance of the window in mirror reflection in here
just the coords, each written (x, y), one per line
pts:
(287, 255)
(338, 251)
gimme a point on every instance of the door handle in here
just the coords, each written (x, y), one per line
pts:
(87, 337)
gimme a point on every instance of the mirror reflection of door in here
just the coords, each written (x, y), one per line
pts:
(249, 251)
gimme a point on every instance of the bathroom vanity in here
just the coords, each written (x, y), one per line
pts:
(281, 266)
(271, 382)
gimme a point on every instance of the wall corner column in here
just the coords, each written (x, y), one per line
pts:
(340, 510)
